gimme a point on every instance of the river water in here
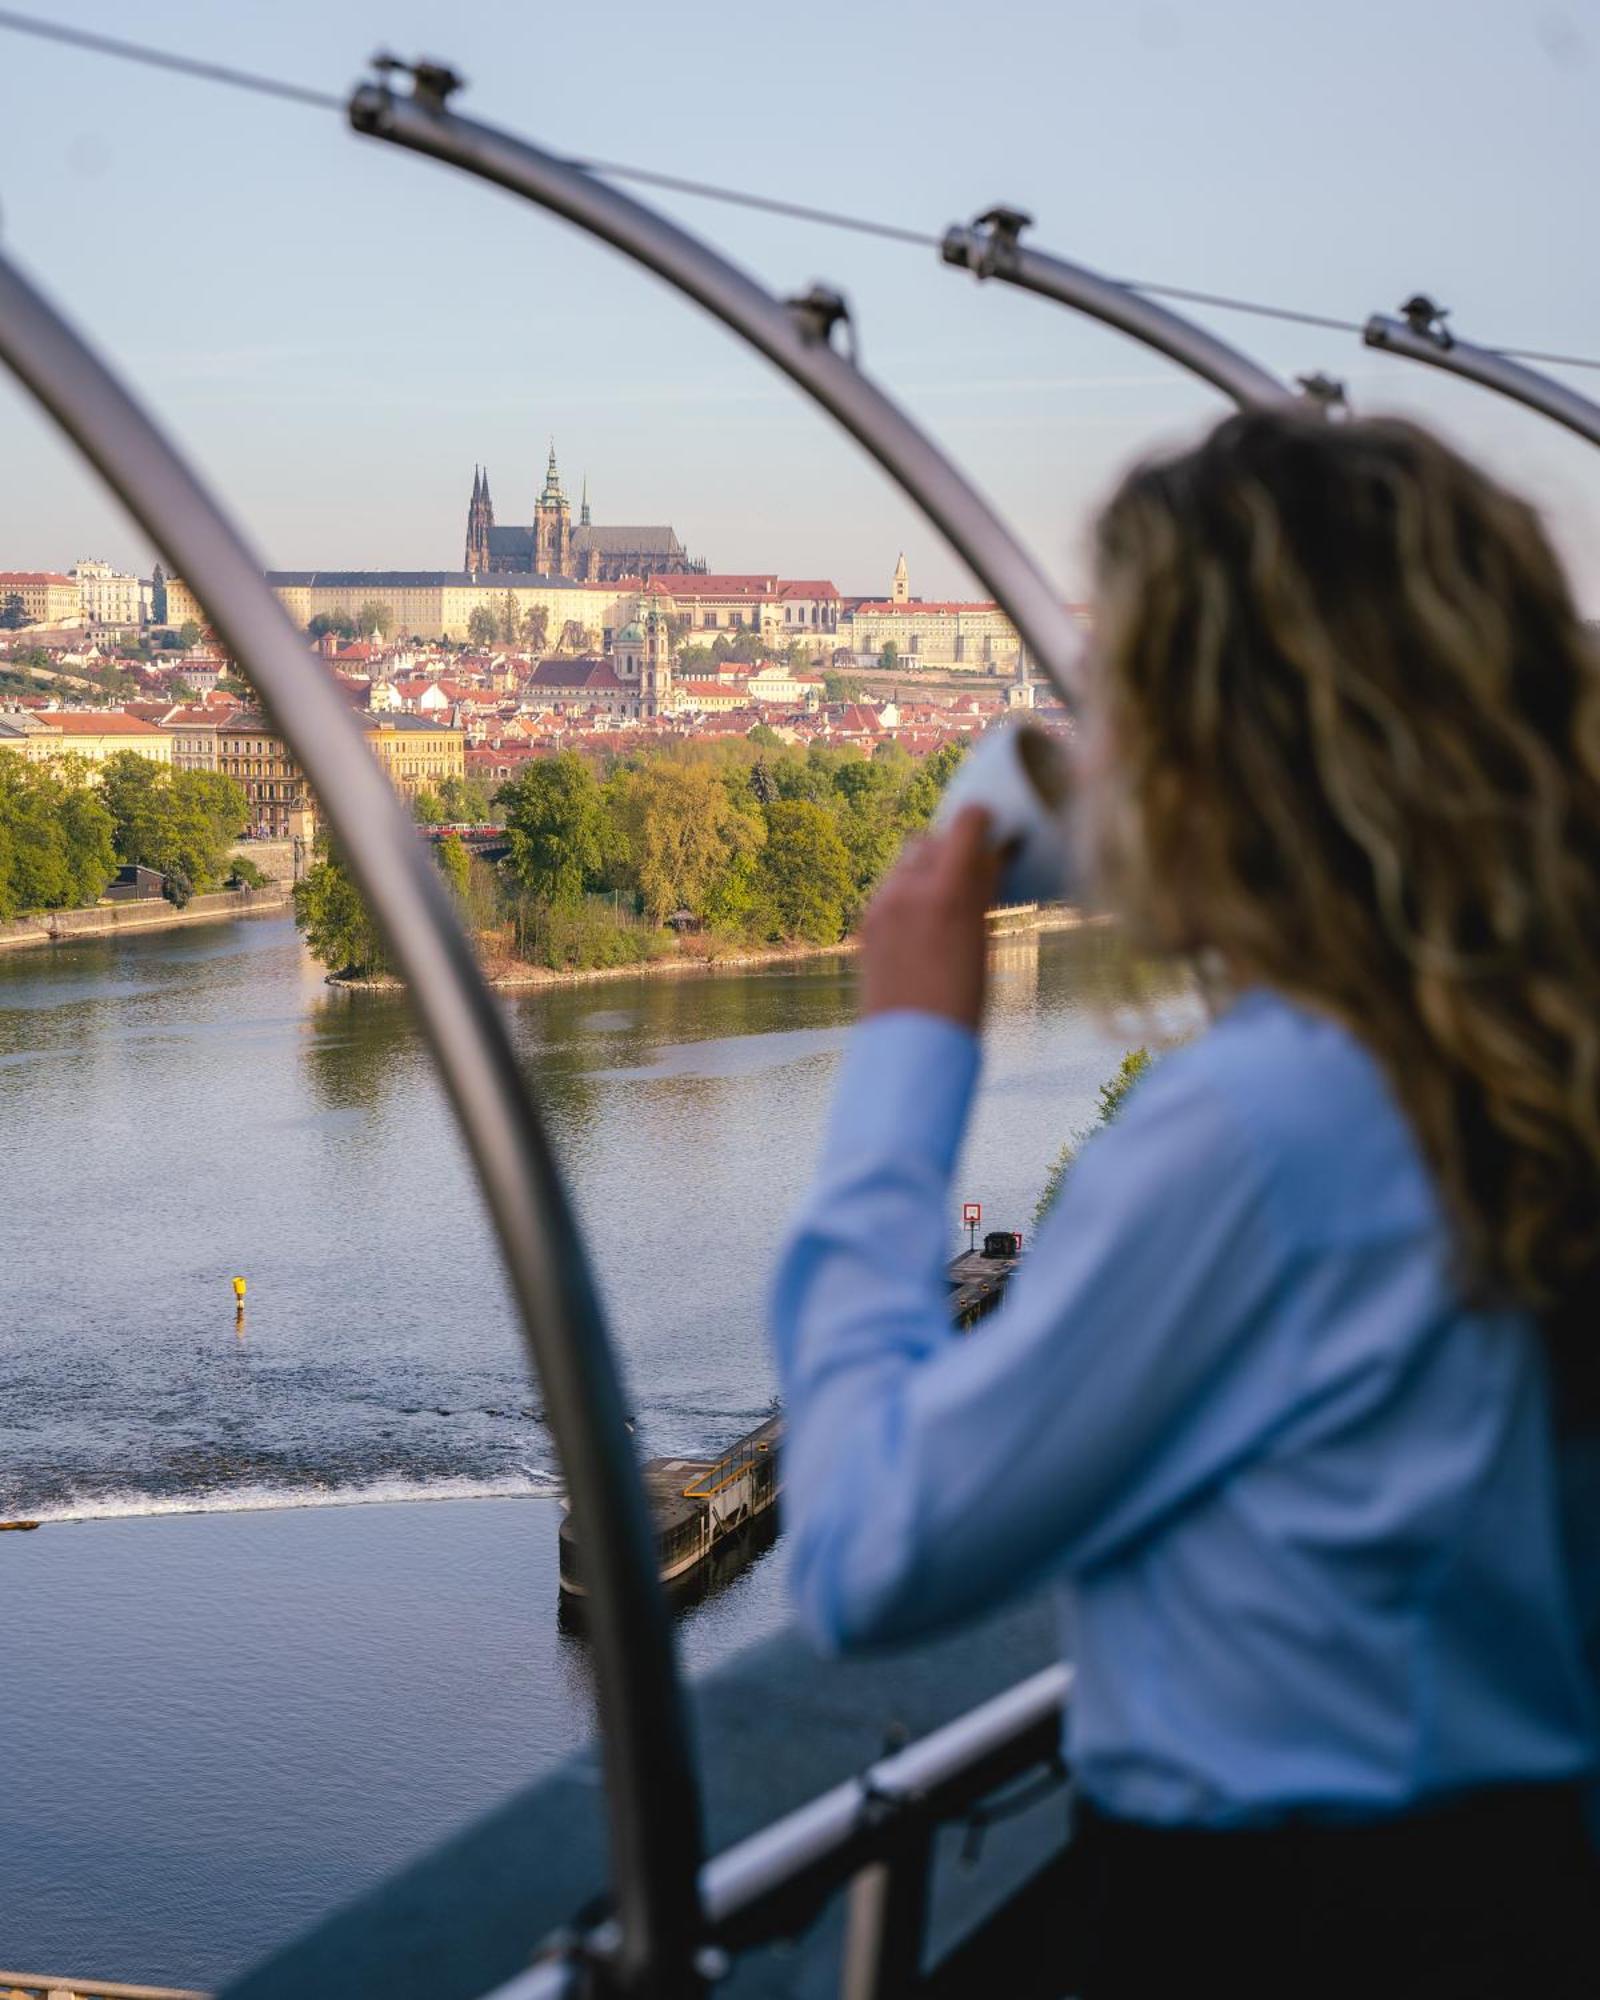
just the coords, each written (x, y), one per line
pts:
(210, 1720)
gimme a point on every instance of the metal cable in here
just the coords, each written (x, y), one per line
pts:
(140, 52)
(861, 225)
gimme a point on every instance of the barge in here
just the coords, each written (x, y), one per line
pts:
(702, 1508)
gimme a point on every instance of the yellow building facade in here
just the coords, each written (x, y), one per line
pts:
(46, 596)
(438, 604)
(251, 752)
(417, 754)
(94, 735)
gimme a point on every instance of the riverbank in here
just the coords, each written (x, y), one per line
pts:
(151, 913)
(708, 955)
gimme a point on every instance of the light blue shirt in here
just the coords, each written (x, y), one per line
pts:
(1299, 1499)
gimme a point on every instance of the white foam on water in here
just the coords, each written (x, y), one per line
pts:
(249, 1499)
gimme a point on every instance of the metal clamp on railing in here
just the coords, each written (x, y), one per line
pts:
(991, 247)
(871, 1836)
(1420, 334)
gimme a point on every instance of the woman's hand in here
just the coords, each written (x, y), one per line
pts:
(923, 944)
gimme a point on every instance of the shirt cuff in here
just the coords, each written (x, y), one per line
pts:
(904, 1088)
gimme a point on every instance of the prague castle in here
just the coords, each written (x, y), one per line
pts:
(551, 545)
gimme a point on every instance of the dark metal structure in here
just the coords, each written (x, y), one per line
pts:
(991, 247)
(1420, 334)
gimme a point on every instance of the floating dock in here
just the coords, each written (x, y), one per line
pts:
(698, 1505)
(702, 1507)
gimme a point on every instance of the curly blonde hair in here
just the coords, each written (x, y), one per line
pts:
(1356, 722)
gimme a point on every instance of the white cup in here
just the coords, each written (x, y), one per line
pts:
(1020, 775)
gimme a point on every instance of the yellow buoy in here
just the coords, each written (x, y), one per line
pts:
(238, 1290)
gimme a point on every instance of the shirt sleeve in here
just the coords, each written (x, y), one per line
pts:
(928, 1474)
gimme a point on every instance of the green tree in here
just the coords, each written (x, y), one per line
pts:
(483, 628)
(536, 627)
(375, 616)
(838, 687)
(558, 832)
(12, 615)
(180, 822)
(465, 801)
(55, 836)
(188, 635)
(924, 789)
(455, 863)
(510, 618)
(90, 837)
(334, 921)
(1113, 1095)
(158, 596)
(683, 832)
(805, 871)
(427, 808)
(340, 622)
(889, 658)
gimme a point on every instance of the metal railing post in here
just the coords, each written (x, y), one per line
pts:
(795, 335)
(1420, 334)
(990, 247)
(886, 1920)
(652, 1791)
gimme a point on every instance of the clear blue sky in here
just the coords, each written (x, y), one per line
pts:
(337, 332)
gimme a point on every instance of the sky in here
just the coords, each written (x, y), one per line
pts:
(337, 332)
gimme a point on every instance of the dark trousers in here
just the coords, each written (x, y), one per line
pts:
(1495, 1896)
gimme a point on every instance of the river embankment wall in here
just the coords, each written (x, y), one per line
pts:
(152, 913)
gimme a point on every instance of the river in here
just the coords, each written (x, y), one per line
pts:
(218, 1726)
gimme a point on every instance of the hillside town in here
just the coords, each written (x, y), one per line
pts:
(474, 675)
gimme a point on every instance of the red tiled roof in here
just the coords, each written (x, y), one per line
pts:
(15, 576)
(679, 583)
(105, 722)
(923, 604)
(807, 587)
(577, 674)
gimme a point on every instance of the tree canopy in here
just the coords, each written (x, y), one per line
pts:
(558, 830)
(180, 822)
(56, 837)
(334, 920)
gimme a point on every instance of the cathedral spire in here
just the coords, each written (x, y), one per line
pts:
(552, 478)
(583, 505)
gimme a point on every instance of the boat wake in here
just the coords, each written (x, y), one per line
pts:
(267, 1496)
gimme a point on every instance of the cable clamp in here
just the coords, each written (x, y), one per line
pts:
(817, 312)
(1325, 393)
(432, 83)
(1427, 319)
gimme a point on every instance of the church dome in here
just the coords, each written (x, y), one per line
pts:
(631, 635)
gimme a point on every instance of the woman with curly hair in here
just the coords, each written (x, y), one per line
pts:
(1293, 1397)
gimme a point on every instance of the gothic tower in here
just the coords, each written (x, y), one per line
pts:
(480, 519)
(552, 525)
(901, 590)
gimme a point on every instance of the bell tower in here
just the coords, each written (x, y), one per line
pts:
(552, 525)
(655, 674)
(901, 591)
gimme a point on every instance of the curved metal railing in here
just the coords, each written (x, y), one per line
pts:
(796, 335)
(653, 1795)
(990, 247)
(1420, 334)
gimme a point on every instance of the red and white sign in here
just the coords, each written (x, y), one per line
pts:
(971, 1214)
